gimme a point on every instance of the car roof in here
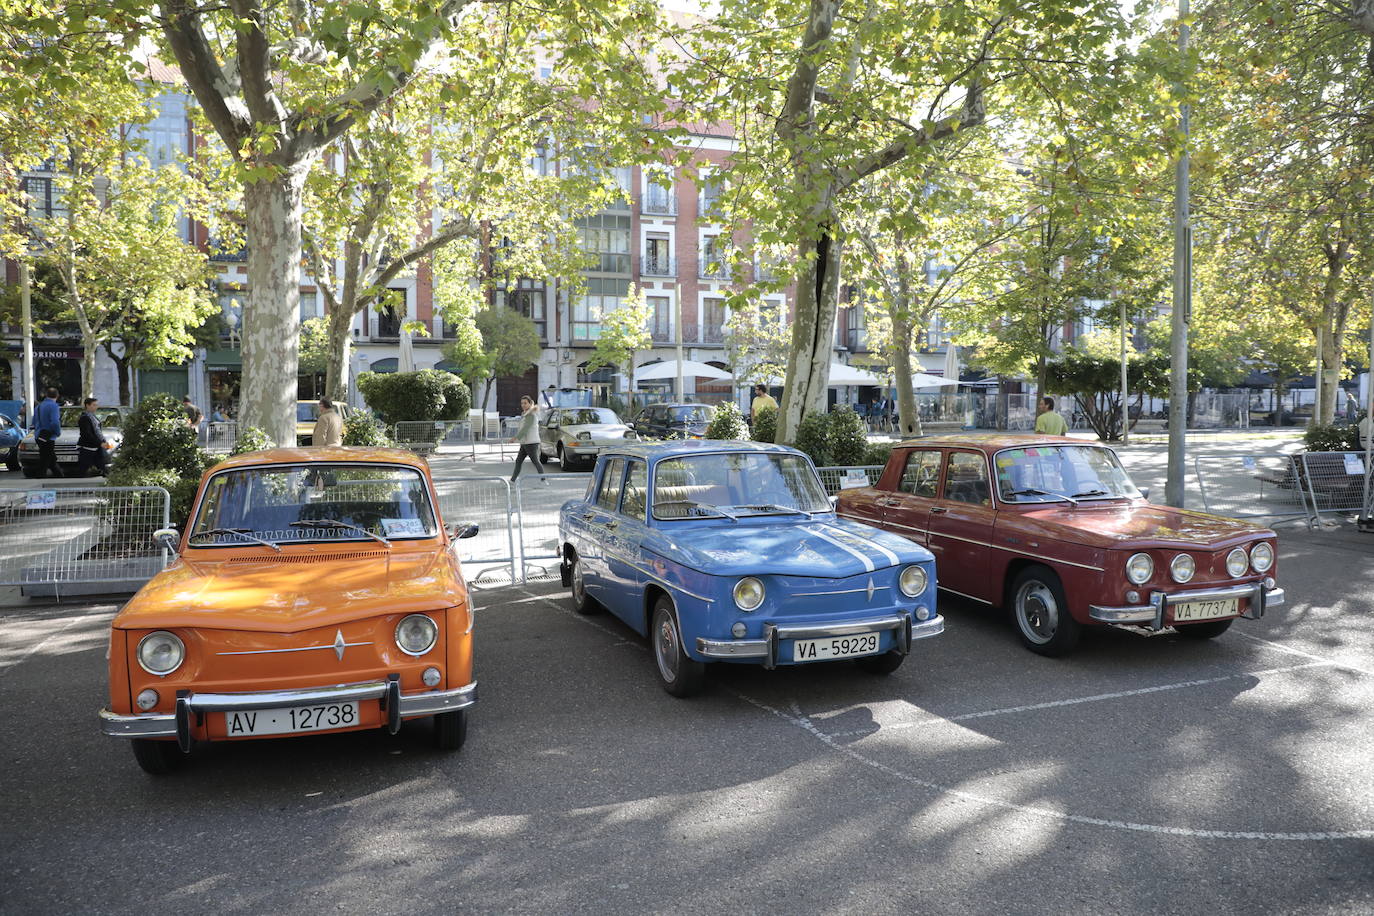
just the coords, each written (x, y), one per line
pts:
(327, 453)
(992, 442)
(682, 404)
(657, 451)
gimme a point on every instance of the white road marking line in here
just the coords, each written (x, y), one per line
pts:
(1301, 654)
(806, 725)
(1096, 698)
(589, 621)
(45, 640)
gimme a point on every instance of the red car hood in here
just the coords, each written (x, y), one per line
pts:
(291, 592)
(1117, 525)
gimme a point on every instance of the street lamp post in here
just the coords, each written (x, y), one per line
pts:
(1183, 299)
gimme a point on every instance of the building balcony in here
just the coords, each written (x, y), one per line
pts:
(660, 204)
(713, 334)
(658, 267)
(661, 335)
(712, 269)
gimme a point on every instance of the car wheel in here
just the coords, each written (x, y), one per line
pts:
(157, 757)
(12, 459)
(681, 675)
(1209, 630)
(451, 729)
(1042, 613)
(886, 663)
(582, 602)
(31, 473)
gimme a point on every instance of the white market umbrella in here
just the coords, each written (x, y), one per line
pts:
(926, 380)
(667, 369)
(952, 362)
(842, 376)
(406, 361)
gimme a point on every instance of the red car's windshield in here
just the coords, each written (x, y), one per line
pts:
(1058, 472)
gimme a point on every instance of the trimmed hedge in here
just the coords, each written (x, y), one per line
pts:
(429, 394)
(156, 436)
(1333, 438)
(728, 423)
(251, 439)
(362, 429)
(838, 438)
(766, 425)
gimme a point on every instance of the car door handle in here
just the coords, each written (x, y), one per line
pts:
(588, 517)
(611, 524)
(938, 510)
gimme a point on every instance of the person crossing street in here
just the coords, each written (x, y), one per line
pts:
(47, 427)
(90, 446)
(528, 437)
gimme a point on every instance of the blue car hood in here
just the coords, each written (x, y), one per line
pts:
(826, 547)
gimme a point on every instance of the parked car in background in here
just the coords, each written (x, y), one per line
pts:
(10, 436)
(1054, 530)
(307, 412)
(313, 591)
(576, 435)
(731, 552)
(111, 421)
(674, 421)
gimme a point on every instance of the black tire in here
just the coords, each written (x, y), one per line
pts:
(31, 473)
(451, 729)
(1209, 630)
(680, 675)
(562, 458)
(582, 602)
(12, 459)
(1041, 612)
(157, 758)
(886, 663)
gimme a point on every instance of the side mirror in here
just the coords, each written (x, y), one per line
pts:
(166, 538)
(465, 531)
(1144, 492)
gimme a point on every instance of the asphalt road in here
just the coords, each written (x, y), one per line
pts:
(1139, 776)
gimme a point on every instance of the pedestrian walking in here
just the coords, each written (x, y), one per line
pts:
(90, 446)
(528, 438)
(1049, 423)
(189, 406)
(47, 427)
(762, 401)
(329, 427)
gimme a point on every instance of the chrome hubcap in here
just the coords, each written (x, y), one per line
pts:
(1037, 612)
(665, 648)
(579, 590)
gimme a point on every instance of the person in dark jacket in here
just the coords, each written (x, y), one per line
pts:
(47, 427)
(90, 447)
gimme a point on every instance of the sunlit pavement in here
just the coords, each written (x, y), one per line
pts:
(1141, 775)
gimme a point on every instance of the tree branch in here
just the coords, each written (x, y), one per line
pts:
(216, 94)
(255, 65)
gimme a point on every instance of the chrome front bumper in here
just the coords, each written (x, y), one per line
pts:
(1153, 614)
(177, 725)
(767, 648)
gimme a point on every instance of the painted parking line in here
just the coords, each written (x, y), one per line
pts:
(1095, 698)
(48, 637)
(1335, 663)
(802, 722)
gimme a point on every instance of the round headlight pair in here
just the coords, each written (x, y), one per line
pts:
(161, 653)
(1237, 562)
(748, 593)
(1262, 557)
(1182, 567)
(912, 581)
(1139, 568)
(416, 634)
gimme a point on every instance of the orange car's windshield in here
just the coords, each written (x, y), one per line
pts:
(315, 502)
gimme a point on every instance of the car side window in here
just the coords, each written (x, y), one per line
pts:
(609, 495)
(966, 479)
(921, 474)
(635, 501)
(551, 420)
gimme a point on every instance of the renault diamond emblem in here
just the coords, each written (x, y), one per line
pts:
(339, 640)
(870, 598)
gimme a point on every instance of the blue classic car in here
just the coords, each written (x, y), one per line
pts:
(731, 551)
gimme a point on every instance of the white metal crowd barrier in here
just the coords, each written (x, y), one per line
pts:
(1257, 486)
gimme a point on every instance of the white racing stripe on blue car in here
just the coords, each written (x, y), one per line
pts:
(820, 532)
(892, 558)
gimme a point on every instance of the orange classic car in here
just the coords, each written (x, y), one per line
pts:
(314, 590)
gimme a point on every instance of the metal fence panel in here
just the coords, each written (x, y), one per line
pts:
(51, 540)
(538, 499)
(220, 437)
(425, 437)
(485, 502)
(1250, 486)
(1332, 482)
(834, 479)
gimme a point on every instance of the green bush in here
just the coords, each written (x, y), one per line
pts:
(848, 437)
(251, 439)
(877, 453)
(181, 488)
(156, 436)
(813, 438)
(766, 425)
(1332, 438)
(429, 394)
(362, 429)
(728, 423)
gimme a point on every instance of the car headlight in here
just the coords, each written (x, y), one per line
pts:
(912, 581)
(1262, 557)
(748, 593)
(161, 653)
(1139, 568)
(631, 434)
(1182, 567)
(415, 634)
(584, 437)
(1237, 562)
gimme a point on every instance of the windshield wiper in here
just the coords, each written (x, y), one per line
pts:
(1087, 493)
(774, 508)
(240, 532)
(335, 523)
(1032, 491)
(695, 505)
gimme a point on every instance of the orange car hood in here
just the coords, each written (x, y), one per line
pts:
(291, 592)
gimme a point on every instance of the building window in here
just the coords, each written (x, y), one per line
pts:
(545, 72)
(709, 184)
(661, 321)
(310, 306)
(391, 315)
(607, 236)
(45, 201)
(539, 164)
(603, 295)
(714, 249)
(713, 330)
(527, 299)
(659, 199)
(657, 261)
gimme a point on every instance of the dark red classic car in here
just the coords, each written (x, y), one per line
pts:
(1054, 530)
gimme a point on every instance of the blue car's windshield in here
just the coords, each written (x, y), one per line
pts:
(740, 483)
